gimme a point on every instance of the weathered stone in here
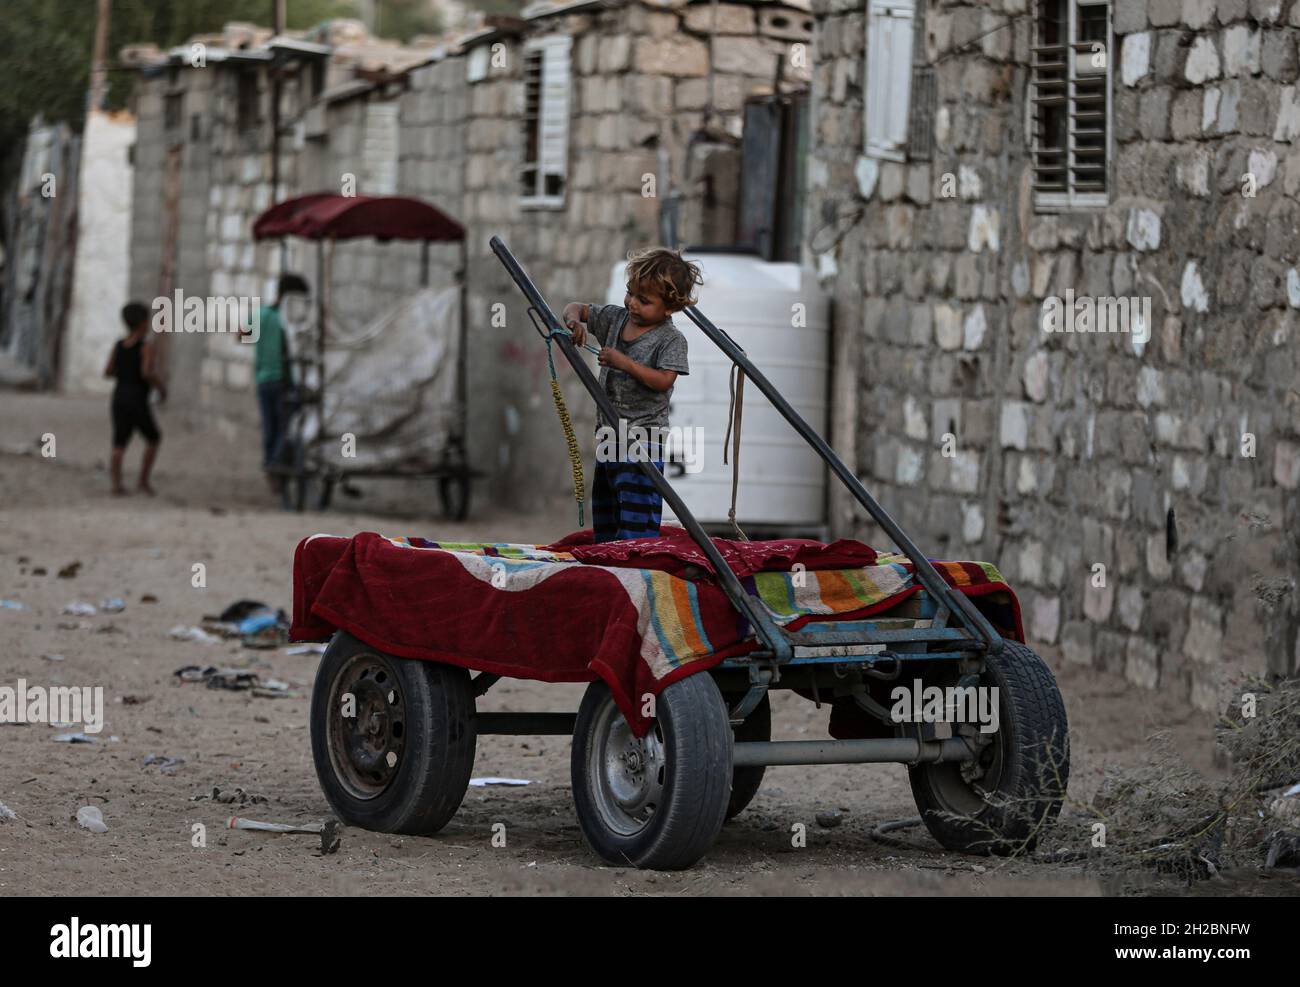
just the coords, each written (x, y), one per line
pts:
(974, 329)
(911, 463)
(746, 55)
(1165, 13)
(1171, 56)
(1202, 61)
(1098, 601)
(1143, 229)
(1014, 428)
(1135, 58)
(614, 52)
(1131, 605)
(918, 184)
(1188, 111)
(729, 92)
(1232, 10)
(1192, 173)
(947, 327)
(1157, 563)
(1077, 642)
(1192, 568)
(1288, 116)
(967, 272)
(1266, 11)
(1226, 121)
(1194, 295)
(892, 176)
(1241, 51)
(1142, 663)
(682, 56)
(1035, 377)
(731, 19)
(1204, 640)
(1286, 464)
(1130, 16)
(1278, 60)
(867, 173)
(1044, 618)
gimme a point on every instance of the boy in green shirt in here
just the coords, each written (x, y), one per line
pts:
(271, 371)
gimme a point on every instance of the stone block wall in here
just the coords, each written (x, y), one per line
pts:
(639, 89)
(639, 77)
(1174, 464)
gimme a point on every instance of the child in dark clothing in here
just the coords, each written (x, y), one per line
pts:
(133, 363)
(642, 354)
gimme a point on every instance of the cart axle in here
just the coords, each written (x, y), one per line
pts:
(897, 750)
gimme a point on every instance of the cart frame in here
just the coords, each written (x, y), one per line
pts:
(944, 616)
(709, 742)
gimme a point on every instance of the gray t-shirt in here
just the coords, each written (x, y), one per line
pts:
(661, 348)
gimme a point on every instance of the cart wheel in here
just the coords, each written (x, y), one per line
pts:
(453, 491)
(745, 781)
(400, 763)
(1001, 802)
(655, 802)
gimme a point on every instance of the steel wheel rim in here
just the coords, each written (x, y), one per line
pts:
(962, 794)
(367, 750)
(626, 773)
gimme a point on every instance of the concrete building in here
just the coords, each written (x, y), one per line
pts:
(562, 131)
(987, 177)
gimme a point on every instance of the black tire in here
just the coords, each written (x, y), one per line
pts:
(407, 773)
(1026, 767)
(745, 781)
(668, 816)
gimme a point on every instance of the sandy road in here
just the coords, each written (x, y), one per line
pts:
(212, 509)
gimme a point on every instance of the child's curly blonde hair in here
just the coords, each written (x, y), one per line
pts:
(666, 273)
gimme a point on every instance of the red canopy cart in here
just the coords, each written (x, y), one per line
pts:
(327, 218)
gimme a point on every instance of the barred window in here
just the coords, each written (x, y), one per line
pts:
(546, 120)
(920, 138)
(1070, 103)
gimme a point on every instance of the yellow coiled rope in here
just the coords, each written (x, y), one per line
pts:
(575, 455)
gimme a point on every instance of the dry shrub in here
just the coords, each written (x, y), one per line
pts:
(1168, 818)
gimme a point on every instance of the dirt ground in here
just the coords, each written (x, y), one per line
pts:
(213, 508)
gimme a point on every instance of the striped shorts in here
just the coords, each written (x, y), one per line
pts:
(624, 503)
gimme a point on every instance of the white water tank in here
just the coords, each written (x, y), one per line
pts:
(778, 314)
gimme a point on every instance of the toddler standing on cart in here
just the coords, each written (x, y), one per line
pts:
(642, 354)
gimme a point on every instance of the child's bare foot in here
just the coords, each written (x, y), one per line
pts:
(120, 491)
(146, 489)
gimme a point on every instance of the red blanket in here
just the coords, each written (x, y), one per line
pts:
(575, 611)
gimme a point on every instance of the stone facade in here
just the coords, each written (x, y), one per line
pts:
(639, 90)
(639, 75)
(1174, 465)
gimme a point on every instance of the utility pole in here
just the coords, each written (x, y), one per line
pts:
(98, 71)
(277, 28)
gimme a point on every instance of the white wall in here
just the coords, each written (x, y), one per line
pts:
(99, 288)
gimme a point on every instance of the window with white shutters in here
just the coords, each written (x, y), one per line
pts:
(546, 120)
(1070, 103)
(890, 41)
